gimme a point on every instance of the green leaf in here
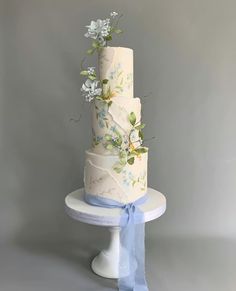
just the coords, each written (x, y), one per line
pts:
(118, 169)
(114, 143)
(132, 118)
(118, 31)
(123, 157)
(90, 51)
(105, 81)
(109, 147)
(84, 73)
(109, 103)
(141, 150)
(140, 126)
(109, 37)
(119, 141)
(95, 44)
(140, 134)
(131, 161)
(108, 137)
(122, 154)
(91, 77)
(123, 161)
(118, 134)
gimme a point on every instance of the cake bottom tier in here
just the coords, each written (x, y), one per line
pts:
(125, 187)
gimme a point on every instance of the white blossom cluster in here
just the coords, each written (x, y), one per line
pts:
(90, 89)
(91, 71)
(113, 14)
(100, 29)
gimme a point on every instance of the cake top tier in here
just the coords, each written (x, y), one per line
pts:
(116, 66)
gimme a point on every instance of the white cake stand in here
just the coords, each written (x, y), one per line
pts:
(106, 263)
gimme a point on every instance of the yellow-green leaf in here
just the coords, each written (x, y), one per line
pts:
(140, 126)
(95, 44)
(109, 147)
(118, 31)
(140, 134)
(108, 137)
(131, 161)
(91, 77)
(90, 51)
(141, 150)
(118, 169)
(109, 37)
(132, 118)
(105, 81)
(84, 73)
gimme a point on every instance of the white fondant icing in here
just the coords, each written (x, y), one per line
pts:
(99, 181)
(105, 120)
(102, 180)
(116, 65)
(121, 108)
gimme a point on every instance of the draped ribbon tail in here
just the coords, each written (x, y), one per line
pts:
(140, 279)
(132, 249)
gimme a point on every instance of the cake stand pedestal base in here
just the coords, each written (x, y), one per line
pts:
(106, 263)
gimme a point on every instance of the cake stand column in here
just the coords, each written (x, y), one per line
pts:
(106, 263)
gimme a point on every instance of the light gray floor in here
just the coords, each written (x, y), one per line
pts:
(173, 264)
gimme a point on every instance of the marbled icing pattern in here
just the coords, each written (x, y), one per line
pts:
(100, 178)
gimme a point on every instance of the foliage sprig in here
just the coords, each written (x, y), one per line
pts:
(132, 151)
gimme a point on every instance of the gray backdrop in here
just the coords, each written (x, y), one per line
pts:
(185, 62)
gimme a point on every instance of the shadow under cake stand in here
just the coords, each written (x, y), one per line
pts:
(106, 263)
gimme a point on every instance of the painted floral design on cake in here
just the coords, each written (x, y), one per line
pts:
(119, 75)
(116, 165)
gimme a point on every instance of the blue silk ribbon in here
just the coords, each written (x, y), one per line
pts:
(132, 236)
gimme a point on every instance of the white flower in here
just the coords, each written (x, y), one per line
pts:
(90, 89)
(98, 30)
(93, 29)
(91, 70)
(113, 14)
(106, 22)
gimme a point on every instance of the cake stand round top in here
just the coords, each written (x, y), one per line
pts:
(78, 209)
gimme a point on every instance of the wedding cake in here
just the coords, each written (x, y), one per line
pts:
(116, 164)
(115, 172)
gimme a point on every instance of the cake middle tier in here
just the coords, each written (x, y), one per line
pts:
(116, 68)
(110, 122)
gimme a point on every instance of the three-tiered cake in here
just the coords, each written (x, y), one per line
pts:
(115, 173)
(116, 165)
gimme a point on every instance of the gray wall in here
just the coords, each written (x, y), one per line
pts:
(185, 62)
(185, 56)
